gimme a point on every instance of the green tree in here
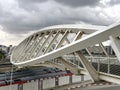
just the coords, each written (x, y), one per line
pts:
(2, 55)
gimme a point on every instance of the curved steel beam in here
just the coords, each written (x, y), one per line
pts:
(92, 39)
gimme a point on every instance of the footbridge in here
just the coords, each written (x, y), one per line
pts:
(70, 47)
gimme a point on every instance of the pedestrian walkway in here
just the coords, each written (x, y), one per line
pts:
(105, 87)
(84, 85)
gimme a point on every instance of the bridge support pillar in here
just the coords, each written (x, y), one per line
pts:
(74, 69)
(70, 79)
(115, 44)
(82, 77)
(89, 68)
(56, 81)
(40, 84)
(20, 86)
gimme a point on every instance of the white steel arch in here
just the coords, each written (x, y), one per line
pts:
(40, 38)
(56, 41)
(95, 35)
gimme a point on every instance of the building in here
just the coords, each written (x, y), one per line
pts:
(3, 48)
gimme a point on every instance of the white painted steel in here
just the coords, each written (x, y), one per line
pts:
(92, 39)
(103, 48)
(85, 36)
(47, 56)
(89, 68)
(115, 43)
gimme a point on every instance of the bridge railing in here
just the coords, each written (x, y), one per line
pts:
(109, 65)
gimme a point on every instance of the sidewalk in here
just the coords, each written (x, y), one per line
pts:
(84, 85)
(73, 85)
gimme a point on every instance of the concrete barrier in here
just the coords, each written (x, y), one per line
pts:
(48, 83)
(86, 77)
(63, 80)
(33, 85)
(76, 78)
(13, 87)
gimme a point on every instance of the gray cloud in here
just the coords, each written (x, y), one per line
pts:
(31, 1)
(28, 15)
(114, 2)
(78, 3)
(30, 4)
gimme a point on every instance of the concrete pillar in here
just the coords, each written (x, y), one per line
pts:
(82, 77)
(40, 84)
(20, 86)
(56, 81)
(70, 79)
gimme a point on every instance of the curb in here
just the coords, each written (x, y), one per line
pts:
(88, 85)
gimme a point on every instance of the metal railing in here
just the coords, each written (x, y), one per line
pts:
(109, 65)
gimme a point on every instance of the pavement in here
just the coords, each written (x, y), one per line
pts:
(106, 87)
(89, 86)
(73, 85)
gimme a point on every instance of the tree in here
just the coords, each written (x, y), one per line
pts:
(2, 55)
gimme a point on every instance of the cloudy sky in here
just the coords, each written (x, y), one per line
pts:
(19, 18)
